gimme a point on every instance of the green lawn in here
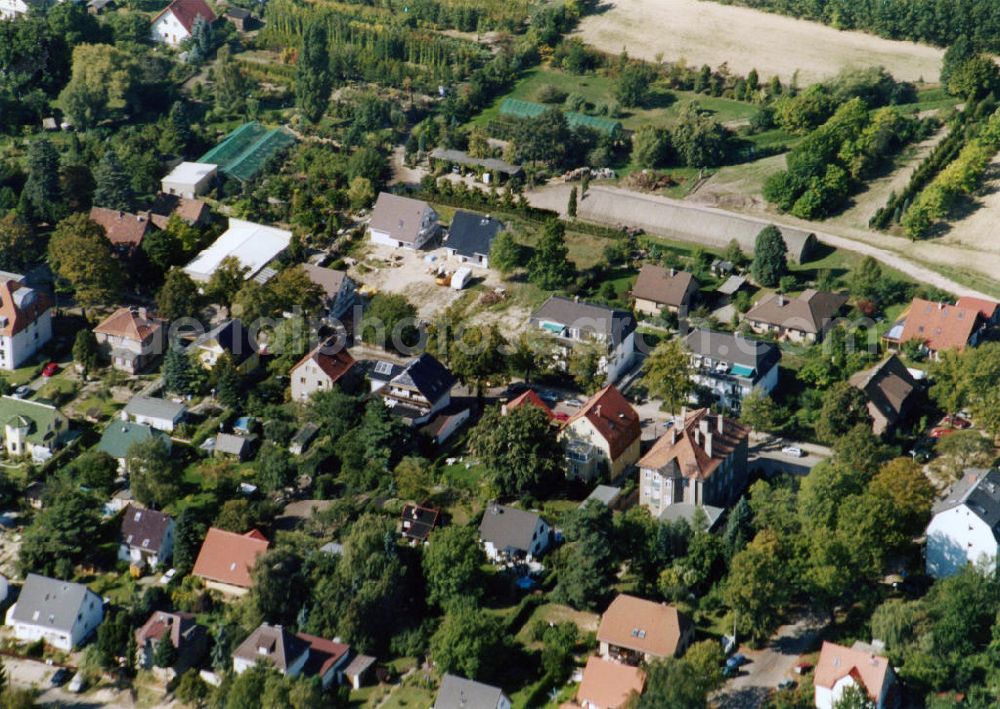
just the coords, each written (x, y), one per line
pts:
(663, 109)
(931, 99)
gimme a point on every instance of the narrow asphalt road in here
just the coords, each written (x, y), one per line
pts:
(771, 664)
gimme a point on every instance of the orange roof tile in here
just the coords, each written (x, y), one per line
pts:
(131, 324)
(939, 326)
(335, 364)
(613, 417)
(528, 398)
(687, 445)
(607, 684)
(986, 308)
(836, 662)
(643, 626)
(20, 306)
(228, 557)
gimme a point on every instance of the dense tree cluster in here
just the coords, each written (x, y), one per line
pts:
(827, 165)
(939, 22)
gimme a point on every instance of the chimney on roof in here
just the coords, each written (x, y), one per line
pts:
(142, 313)
(673, 435)
(940, 305)
(576, 299)
(673, 271)
(720, 423)
(597, 410)
(781, 300)
(708, 444)
(703, 425)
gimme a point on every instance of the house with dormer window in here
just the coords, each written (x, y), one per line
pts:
(146, 538)
(60, 613)
(634, 630)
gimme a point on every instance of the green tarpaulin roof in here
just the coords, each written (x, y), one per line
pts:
(527, 109)
(244, 151)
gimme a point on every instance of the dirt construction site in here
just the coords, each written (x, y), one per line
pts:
(414, 274)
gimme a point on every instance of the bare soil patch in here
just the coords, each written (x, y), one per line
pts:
(709, 33)
(977, 229)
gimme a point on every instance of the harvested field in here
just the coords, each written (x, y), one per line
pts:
(976, 226)
(709, 33)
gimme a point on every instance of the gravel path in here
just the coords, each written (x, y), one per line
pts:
(657, 214)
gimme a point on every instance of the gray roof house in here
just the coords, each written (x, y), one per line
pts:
(275, 645)
(161, 414)
(401, 222)
(419, 391)
(512, 533)
(965, 528)
(471, 236)
(339, 291)
(61, 613)
(731, 365)
(240, 447)
(574, 322)
(460, 693)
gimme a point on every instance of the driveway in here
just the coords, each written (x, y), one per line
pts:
(771, 664)
(35, 674)
(765, 453)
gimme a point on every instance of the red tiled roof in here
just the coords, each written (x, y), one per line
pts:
(836, 662)
(129, 324)
(613, 417)
(687, 445)
(334, 364)
(16, 317)
(986, 308)
(186, 11)
(323, 654)
(939, 326)
(529, 398)
(607, 684)
(121, 228)
(228, 557)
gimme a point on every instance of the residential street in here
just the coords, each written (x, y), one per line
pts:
(771, 664)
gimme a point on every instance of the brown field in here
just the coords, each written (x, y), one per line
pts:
(709, 33)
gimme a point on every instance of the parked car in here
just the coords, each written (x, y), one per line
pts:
(792, 451)
(803, 668)
(168, 577)
(737, 661)
(60, 677)
(22, 392)
(77, 684)
(955, 422)
(50, 369)
(787, 684)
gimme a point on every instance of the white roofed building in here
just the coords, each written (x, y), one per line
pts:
(253, 245)
(189, 179)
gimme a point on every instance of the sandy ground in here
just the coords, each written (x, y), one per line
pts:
(409, 273)
(978, 229)
(704, 32)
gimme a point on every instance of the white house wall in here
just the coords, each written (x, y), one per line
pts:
(956, 538)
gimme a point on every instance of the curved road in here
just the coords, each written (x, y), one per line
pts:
(613, 205)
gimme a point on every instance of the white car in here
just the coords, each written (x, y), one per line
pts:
(168, 577)
(76, 684)
(792, 451)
